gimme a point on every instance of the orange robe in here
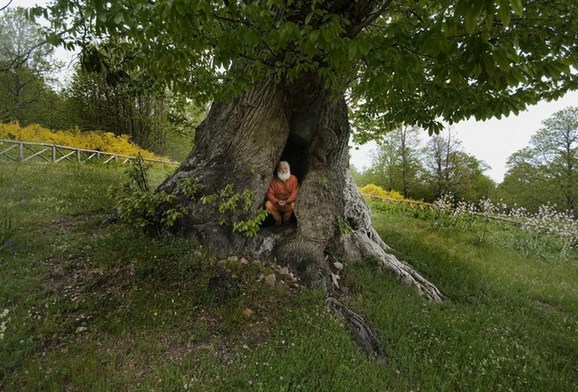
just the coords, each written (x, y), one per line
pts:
(279, 190)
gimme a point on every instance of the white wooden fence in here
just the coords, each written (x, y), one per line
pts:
(18, 151)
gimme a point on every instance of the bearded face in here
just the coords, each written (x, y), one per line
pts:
(283, 176)
(283, 172)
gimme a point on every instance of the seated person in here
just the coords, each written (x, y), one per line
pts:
(281, 194)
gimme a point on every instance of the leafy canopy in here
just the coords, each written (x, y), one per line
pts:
(402, 61)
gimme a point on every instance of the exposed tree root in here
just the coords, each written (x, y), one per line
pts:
(364, 242)
(359, 329)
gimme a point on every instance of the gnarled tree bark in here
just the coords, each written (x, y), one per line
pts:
(239, 144)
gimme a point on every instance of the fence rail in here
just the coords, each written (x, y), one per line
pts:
(18, 151)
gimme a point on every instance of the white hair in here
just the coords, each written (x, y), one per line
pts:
(283, 176)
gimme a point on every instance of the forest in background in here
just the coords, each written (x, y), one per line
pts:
(94, 100)
(545, 172)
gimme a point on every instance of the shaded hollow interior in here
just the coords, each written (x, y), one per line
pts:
(296, 154)
(305, 102)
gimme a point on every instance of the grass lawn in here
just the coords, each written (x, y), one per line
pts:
(87, 306)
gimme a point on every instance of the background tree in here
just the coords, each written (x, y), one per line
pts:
(156, 120)
(547, 170)
(398, 160)
(402, 164)
(26, 68)
(278, 72)
(383, 168)
(95, 104)
(450, 170)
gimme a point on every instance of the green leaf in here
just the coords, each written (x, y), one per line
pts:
(314, 36)
(517, 6)
(477, 69)
(462, 8)
(489, 65)
(118, 18)
(101, 15)
(470, 22)
(471, 16)
(352, 49)
(505, 13)
(501, 58)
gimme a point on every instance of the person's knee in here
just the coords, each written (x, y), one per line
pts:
(269, 206)
(290, 207)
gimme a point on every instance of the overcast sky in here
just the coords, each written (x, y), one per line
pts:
(491, 141)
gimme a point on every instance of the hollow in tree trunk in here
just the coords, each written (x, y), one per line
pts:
(236, 151)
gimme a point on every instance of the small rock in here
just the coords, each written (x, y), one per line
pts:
(247, 312)
(244, 261)
(270, 279)
(335, 279)
(284, 271)
(338, 265)
(81, 329)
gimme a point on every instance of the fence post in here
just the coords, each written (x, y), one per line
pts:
(53, 153)
(21, 152)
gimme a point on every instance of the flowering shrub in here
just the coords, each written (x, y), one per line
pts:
(538, 232)
(546, 233)
(94, 140)
(547, 222)
(445, 203)
(376, 190)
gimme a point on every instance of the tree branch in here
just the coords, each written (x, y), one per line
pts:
(6, 6)
(372, 17)
(20, 59)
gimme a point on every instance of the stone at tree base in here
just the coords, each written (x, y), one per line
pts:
(270, 280)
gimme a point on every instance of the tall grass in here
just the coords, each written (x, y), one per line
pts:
(93, 307)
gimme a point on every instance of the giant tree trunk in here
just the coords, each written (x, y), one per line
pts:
(239, 144)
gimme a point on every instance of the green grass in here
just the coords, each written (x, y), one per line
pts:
(97, 307)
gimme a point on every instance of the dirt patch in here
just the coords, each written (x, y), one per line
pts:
(547, 305)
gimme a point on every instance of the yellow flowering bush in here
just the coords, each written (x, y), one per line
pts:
(379, 192)
(93, 140)
(376, 190)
